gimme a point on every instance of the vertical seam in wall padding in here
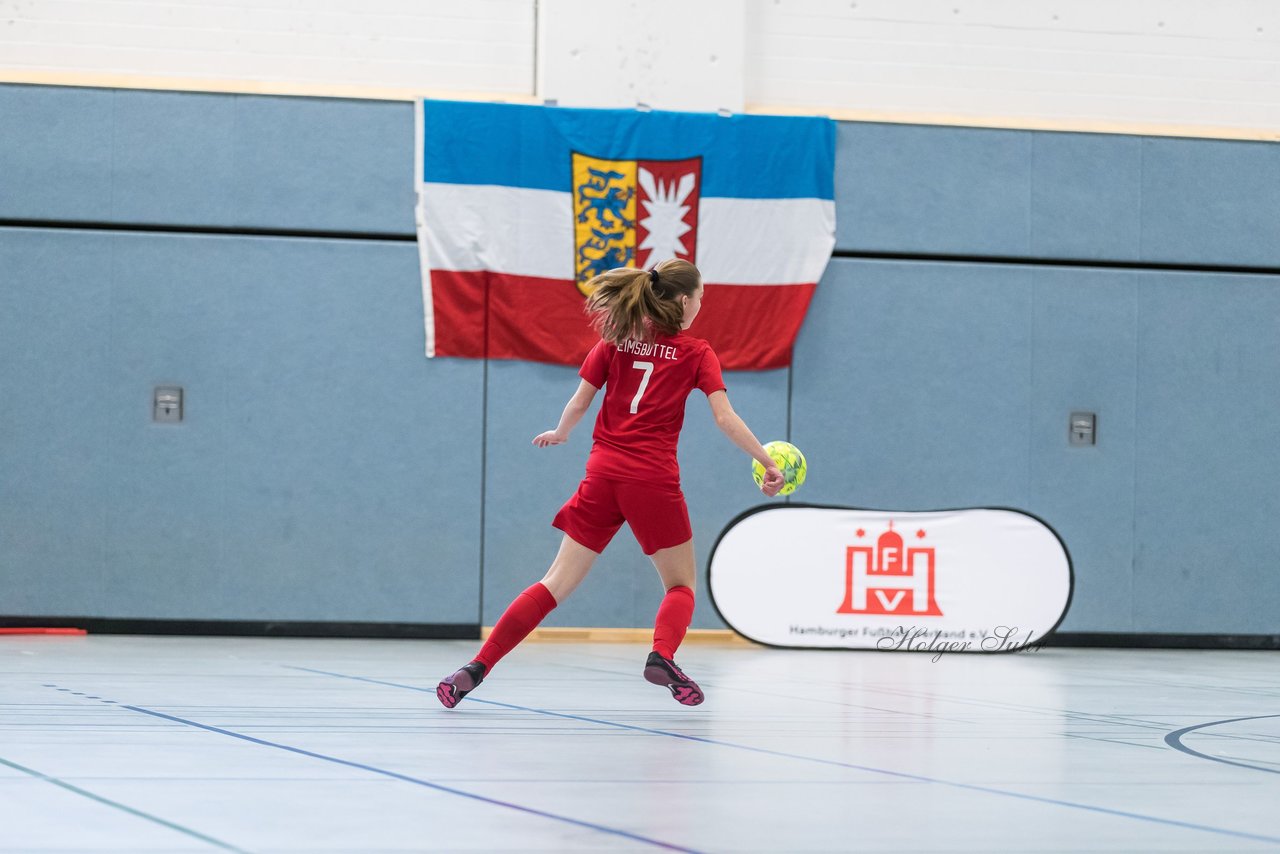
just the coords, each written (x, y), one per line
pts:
(224, 434)
(1031, 181)
(1137, 386)
(484, 477)
(112, 511)
(109, 511)
(1142, 193)
(224, 445)
(484, 448)
(1133, 458)
(1031, 394)
(111, 180)
(791, 368)
(1031, 324)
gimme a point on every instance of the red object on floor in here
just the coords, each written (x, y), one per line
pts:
(42, 631)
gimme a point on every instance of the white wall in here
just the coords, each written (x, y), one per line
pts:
(1208, 64)
(675, 54)
(1195, 67)
(376, 48)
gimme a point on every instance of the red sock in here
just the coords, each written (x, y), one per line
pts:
(521, 617)
(674, 615)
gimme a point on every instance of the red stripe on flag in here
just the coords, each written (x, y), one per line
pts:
(751, 327)
(457, 310)
(530, 317)
(538, 319)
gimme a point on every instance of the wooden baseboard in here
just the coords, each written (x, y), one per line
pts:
(221, 86)
(1261, 133)
(111, 80)
(589, 635)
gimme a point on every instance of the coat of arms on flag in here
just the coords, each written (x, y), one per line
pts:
(633, 213)
(520, 206)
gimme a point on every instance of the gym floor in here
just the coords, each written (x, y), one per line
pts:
(164, 744)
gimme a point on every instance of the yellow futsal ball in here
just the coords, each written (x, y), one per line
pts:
(789, 459)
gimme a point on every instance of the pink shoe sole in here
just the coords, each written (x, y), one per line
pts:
(453, 688)
(685, 693)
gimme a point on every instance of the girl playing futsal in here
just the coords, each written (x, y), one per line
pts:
(647, 367)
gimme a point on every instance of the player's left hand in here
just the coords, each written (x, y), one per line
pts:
(772, 481)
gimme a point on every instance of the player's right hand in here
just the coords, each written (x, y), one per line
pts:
(551, 437)
(772, 481)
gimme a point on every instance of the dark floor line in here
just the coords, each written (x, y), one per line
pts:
(1174, 740)
(1267, 692)
(657, 843)
(972, 787)
(122, 807)
(1080, 737)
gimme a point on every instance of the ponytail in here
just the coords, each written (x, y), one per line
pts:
(629, 303)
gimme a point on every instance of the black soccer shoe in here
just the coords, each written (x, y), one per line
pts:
(664, 671)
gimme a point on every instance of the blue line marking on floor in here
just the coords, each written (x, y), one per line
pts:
(973, 787)
(1174, 740)
(414, 780)
(122, 807)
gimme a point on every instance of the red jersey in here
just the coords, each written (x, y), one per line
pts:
(646, 384)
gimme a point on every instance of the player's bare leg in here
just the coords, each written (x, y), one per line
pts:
(570, 567)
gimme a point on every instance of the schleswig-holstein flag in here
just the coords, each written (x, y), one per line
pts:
(519, 206)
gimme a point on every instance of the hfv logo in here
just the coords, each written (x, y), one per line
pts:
(889, 578)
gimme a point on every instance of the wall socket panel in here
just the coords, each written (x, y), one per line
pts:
(1083, 429)
(167, 405)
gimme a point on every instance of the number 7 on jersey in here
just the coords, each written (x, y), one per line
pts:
(647, 367)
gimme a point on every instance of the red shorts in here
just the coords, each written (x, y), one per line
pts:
(657, 515)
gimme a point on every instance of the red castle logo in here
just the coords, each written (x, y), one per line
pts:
(889, 580)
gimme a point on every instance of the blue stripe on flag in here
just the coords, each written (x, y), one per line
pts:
(514, 145)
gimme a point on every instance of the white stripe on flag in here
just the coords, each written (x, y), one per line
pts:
(765, 241)
(530, 233)
(424, 267)
(503, 229)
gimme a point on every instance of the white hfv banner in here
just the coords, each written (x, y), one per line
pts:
(979, 580)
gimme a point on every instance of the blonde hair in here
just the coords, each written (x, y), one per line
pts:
(626, 302)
